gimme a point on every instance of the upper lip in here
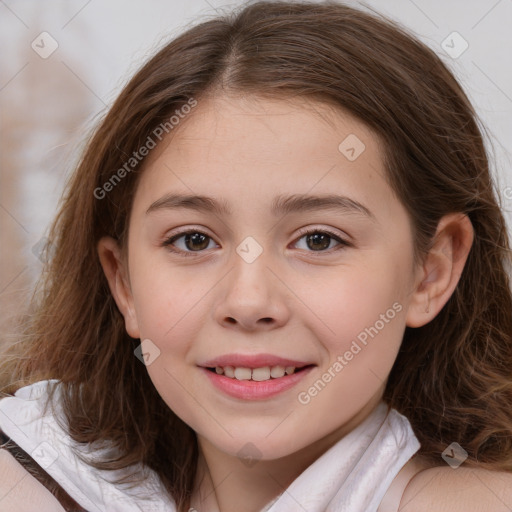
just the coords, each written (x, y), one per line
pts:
(252, 361)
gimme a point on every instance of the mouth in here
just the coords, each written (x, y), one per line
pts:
(256, 382)
(255, 376)
(260, 374)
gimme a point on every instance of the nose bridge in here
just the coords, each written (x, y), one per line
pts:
(250, 275)
(253, 295)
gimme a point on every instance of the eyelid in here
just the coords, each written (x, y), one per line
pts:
(183, 231)
(175, 235)
(341, 239)
(321, 229)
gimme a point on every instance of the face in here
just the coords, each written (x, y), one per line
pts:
(272, 277)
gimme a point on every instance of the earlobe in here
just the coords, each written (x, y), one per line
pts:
(117, 276)
(441, 269)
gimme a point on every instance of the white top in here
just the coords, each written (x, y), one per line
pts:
(352, 476)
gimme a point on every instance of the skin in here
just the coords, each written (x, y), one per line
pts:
(245, 151)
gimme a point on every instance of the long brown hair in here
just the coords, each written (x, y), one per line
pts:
(452, 378)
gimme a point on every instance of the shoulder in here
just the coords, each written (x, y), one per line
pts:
(443, 488)
(20, 491)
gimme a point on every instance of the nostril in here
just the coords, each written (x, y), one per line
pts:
(266, 320)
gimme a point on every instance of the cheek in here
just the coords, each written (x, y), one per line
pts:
(168, 300)
(360, 320)
(355, 300)
(363, 322)
(168, 308)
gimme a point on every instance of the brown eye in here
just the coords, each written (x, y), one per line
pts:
(317, 240)
(188, 242)
(196, 241)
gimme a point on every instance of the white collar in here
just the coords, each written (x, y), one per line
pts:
(40, 435)
(353, 475)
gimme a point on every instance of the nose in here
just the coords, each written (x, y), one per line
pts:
(252, 298)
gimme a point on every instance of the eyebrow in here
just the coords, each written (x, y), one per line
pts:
(281, 205)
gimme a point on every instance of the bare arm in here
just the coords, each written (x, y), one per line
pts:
(20, 491)
(444, 489)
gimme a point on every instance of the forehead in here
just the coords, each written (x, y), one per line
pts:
(247, 148)
(269, 126)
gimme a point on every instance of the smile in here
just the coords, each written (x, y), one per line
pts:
(256, 383)
(255, 374)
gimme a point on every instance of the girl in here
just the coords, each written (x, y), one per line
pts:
(278, 283)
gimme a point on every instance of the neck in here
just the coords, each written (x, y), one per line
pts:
(225, 482)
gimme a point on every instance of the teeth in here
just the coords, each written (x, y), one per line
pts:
(256, 374)
(277, 371)
(229, 371)
(242, 373)
(260, 374)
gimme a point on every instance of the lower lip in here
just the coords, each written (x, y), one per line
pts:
(252, 390)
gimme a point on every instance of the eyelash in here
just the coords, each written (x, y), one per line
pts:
(168, 242)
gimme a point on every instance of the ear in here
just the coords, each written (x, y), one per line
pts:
(116, 273)
(441, 270)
